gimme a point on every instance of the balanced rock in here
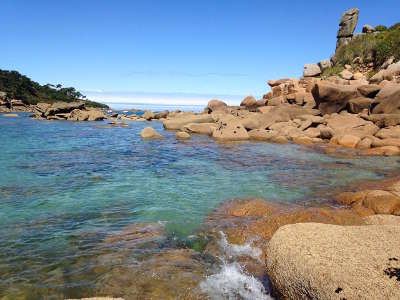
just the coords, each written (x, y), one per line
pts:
(320, 261)
(347, 25)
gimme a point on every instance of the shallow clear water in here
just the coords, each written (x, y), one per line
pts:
(64, 186)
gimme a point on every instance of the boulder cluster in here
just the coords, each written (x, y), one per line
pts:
(353, 113)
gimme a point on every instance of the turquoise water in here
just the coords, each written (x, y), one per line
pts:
(64, 186)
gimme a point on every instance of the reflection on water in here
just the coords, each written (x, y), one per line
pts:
(72, 196)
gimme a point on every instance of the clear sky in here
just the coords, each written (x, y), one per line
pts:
(158, 50)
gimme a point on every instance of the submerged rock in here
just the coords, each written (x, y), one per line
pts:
(182, 135)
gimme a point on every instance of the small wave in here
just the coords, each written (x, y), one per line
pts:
(233, 250)
(233, 283)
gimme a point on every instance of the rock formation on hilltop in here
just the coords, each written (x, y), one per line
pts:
(347, 25)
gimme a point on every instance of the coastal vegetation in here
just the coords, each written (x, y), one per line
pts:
(373, 48)
(21, 87)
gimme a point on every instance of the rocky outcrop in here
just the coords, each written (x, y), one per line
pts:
(150, 133)
(73, 111)
(319, 261)
(347, 25)
(63, 107)
(12, 105)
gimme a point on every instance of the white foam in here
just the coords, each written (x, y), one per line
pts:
(233, 250)
(233, 283)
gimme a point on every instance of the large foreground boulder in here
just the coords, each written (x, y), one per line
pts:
(331, 98)
(318, 261)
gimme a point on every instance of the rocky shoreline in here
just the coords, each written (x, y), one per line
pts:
(348, 249)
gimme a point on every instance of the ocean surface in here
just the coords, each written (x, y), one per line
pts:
(64, 187)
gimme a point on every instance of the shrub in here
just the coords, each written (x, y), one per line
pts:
(334, 70)
(361, 46)
(381, 28)
(388, 45)
(376, 48)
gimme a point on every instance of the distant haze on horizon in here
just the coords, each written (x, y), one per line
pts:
(174, 52)
(159, 98)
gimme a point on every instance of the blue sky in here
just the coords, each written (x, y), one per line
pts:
(125, 50)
